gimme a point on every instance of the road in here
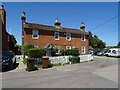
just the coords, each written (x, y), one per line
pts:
(100, 73)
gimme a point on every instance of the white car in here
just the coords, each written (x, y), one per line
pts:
(115, 52)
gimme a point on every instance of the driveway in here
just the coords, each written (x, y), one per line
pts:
(100, 73)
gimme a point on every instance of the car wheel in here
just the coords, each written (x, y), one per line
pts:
(15, 61)
(11, 65)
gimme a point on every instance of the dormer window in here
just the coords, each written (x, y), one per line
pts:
(68, 36)
(56, 35)
(35, 34)
(83, 38)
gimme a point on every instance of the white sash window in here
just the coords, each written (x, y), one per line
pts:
(83, 49)
(35, 34)
(83, 38)
(56, 35)
(68, 36)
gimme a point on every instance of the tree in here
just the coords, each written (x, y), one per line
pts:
(12, 39)
(25, 48)
(101, 45)
(90, 38)
(95, 42)
(118, 44)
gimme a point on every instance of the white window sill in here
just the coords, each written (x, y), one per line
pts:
(34, 38)
(83, 40)
(68, 40)
(56, 39)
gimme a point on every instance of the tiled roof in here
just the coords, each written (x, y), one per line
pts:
(53, 28)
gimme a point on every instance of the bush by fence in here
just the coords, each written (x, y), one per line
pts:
(74, 59)
(25, 48)
(36, 52)
(74, 52)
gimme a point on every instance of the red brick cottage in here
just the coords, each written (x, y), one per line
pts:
(5, 38)
(66, 38)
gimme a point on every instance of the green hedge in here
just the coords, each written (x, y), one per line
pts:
(26, 47)
(74, 52)
(36, 52)
(74, 59)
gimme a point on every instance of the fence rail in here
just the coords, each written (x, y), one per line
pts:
(65, 59)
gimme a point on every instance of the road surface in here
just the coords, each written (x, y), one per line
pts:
(100, 73)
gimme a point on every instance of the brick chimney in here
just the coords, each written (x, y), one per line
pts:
(82, 27)
(3, 16)
(57, 23)
(23, 18)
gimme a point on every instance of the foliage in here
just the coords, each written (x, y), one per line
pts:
(101, 45)
(95, 42)
(58, 64)
(74, 59)
(74, 52)
(118, 45)
(68, 52)
(24, 60)
(12, 39)
(26, 47)
(36, 52)
(56, 50)
(38, 63)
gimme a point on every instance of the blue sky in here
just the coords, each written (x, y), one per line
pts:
(101, 18)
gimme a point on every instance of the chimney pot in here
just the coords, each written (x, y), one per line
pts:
(23, 13)
(56, 20)
(57, 23)
(82, 27)
(2, 6)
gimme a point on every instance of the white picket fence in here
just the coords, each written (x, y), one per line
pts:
(65, 59)
(59, 59)
(84, 58)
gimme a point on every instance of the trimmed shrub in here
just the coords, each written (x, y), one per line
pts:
(74, 59)
(68, 52)
(36, 52)
(26, 47)
(74, 52)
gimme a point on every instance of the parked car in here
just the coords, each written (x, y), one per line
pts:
(115, 52)
(8, 59)
(91, 52)
(105, 52)
(95, 52)
(101, 53)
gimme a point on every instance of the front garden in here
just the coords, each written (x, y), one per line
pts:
(68, 56)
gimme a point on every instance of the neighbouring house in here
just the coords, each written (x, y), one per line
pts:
(7, 44)
(5, 35)
(67, 38)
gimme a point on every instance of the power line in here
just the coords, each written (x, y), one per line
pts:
(76, 13)
(110, 32)
(105, 22)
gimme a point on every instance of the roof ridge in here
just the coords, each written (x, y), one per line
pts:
(53, 26)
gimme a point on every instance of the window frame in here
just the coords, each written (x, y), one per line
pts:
(33, 32)
(83, 37)
(69, 36)
(55, 35)
(114, 52)
(83, 49)
(69, 48)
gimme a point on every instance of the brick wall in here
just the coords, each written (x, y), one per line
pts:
(4, 33)
(46, 37)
